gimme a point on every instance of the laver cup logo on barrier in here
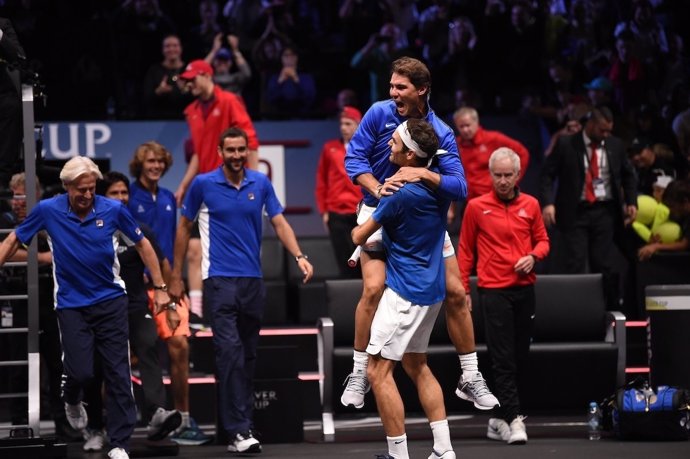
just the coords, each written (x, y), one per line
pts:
(262, 399)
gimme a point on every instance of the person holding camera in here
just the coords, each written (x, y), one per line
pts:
(375, 57)
(164, 97)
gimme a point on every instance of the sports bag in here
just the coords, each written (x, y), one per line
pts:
(640, 413)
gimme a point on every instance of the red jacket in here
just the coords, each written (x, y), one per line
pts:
(475, 154)
(335, 192)
(496, 235)
(226, 110)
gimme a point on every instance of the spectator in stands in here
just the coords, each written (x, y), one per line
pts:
(10, 102)
(13, 347)
(91, 319)
(413, 221)
(213, 111)
(599, 91)
(628, 76)
(234, 198)
(476, 145)
(142, 330)
(677, 198)
(375, 57)
(336, 196)
(163, 90)
(155, 206)
(366, 162)
(203, 35)
(650, 162)
(505, 245)
(139, 27)
(595, 181)
(290, 92)
(230, 70)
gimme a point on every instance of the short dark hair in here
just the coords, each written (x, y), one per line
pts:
(232, 132)
(601, 113)
(423, 133)
(677, 193)
(415, 70)
(108, 180)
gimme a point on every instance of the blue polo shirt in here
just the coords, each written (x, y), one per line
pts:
(230, 221)
(414, 222)
(158, 211)
(85, 265)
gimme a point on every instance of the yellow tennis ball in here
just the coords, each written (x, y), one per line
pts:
(646, 209)
(668, 232)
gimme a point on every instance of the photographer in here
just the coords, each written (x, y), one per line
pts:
(162, 89)
(375, 57)
(11, 53)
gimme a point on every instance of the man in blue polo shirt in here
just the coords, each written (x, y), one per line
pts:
(229, 203)
(90, 296)
(414, 222)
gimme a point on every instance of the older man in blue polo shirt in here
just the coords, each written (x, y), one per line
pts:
(229, 202)
(90, 297)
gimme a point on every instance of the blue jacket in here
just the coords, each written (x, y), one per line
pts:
(368, 151)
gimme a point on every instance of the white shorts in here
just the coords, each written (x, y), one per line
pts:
(375, 241)
(400, 327)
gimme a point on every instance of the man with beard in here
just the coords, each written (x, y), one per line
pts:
(230, 202)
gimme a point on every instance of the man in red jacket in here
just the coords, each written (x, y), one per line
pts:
(504, 234)
(336, 196)
(476, 144)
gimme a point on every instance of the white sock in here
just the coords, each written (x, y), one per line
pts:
(196, 300)
(185, 419)
(361, 360)
(441, 436)
(469, 365)
(397, 447)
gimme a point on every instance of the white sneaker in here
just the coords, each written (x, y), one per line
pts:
(518, 433)
(95, 439)
(76, 416)
(162, 423)
(450, 454)
(476, 391)
(118, 453)
(357, 386)
(244, 442)
(498, 429)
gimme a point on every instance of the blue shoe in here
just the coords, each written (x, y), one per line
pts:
(191, 436)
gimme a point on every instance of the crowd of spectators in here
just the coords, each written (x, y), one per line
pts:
(510, 55)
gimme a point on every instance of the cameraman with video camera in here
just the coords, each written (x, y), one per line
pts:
(11, 53)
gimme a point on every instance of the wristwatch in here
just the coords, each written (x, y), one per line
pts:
(301, 255)
(162, 287)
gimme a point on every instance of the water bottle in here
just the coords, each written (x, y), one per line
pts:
(594, 421)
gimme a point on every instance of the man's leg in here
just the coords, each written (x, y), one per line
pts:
(373, 277)
(178, 349)
(194, 283)
(471, 386)
(431, 398)
(389, 404)
(503, 310)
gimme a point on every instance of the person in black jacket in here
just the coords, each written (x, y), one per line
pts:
(595, 182)
(11, 53)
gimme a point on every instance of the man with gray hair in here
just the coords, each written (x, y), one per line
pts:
(413, 221)
(90, 297)
(504, 235)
